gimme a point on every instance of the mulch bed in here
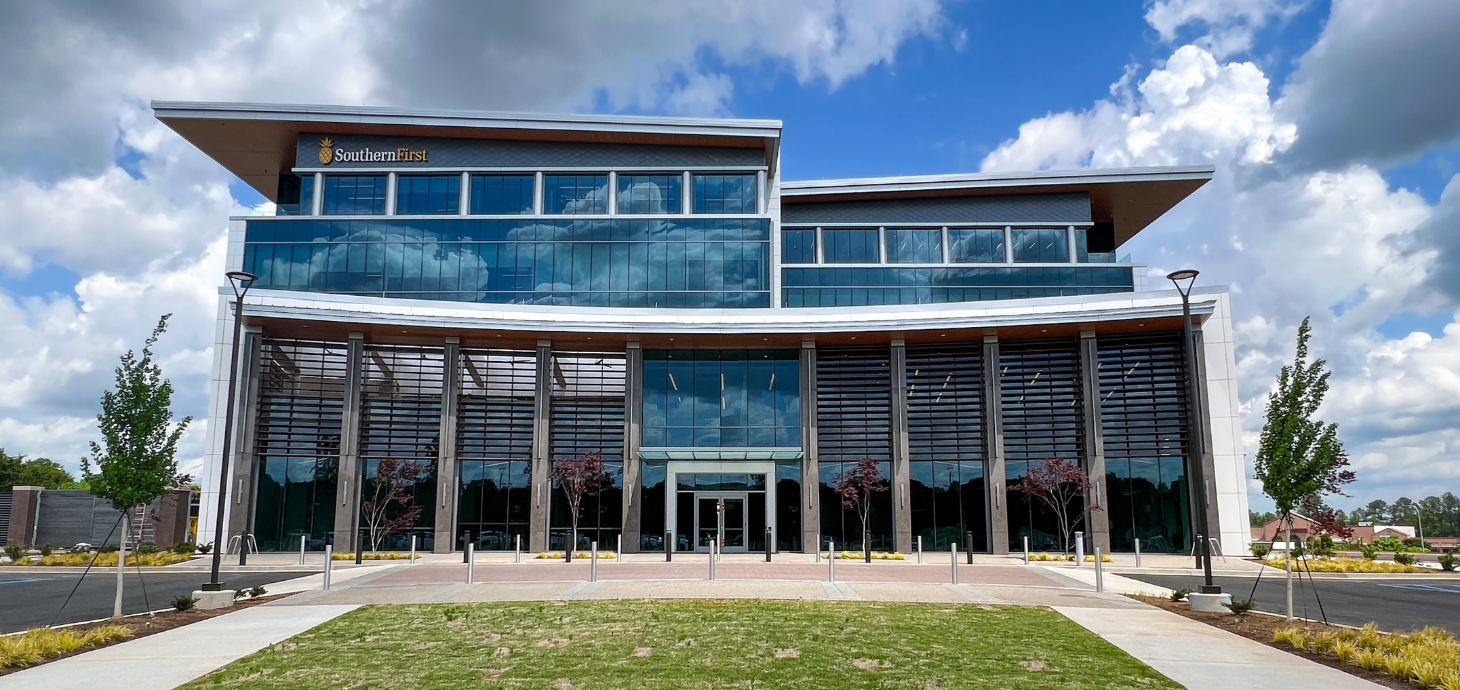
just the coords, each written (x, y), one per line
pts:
(144, 625)
(1260, 627)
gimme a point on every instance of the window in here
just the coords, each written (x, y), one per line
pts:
(650, 193)
(574, 194)
(427, 195)
(295, 196)
(493, 195)
(976, 246)
(354, 195)
(914, 246)
(798, 246)
(722, 398)
(850, 246)
(724, 194)
(1041, 246)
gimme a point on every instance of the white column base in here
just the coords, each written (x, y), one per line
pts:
(208, 601)
(1210, 603)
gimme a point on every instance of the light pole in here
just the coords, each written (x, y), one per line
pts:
(1183, 280)
(240, 283)
(1419, 525)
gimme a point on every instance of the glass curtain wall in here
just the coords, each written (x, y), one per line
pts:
(789, 504)
(1040, 395)
(827, 286)
(947, 445)
(652, 491)
(722, 398)
(854, 402)
(588, 417)
(297, 442)
(1143, 410)
(494, 447)
(400, 441)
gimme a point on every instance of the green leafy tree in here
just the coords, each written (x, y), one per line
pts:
(1299, 458)
(15, 471)
(136, 462)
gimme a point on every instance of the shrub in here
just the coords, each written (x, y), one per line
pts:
(257, 591)
(1370, 551)
(239, 594)
(45, 550)
(1261, 550)
(183, 602)
(1449, 561)
(108, 548)
(1240, 607)
(146, 550)
(371, 556)
(14, 552)
(1347, 565)
(1322, 546)
(183, 547)
(1180, 594)
(205, 548)
(38, 644)
(1404, 558)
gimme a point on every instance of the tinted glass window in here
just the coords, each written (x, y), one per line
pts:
(493, 195)
(722, 398)
(296, 195)
(976, 246)
(914, 246)
(1043, 245)
(348, 195)
(427, 194)
(798, 246)
(724, 194)
(849, 246)
(571, 194)
(650, 193)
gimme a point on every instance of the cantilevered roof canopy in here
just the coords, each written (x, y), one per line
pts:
(256, 141)
(1131, 198)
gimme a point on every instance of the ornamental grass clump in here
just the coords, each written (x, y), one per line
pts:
(1346, 565)
(109, 559)
(1430, 657)
(38, 644)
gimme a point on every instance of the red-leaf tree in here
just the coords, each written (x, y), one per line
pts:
(1057, 483)
(393, 485)
(856, 487)
(579, 476)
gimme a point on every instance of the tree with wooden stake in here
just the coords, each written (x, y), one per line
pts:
(1057, 483)
(1299, 459)
(390, 509)
(136, 462)
(579, 476)
(856, 487)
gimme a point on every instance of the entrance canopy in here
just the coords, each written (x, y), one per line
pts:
(720, 454)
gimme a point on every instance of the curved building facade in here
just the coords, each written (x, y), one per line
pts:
(447, 302)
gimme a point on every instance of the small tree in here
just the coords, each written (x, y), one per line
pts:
(390, 509)
(856, 487)
(1300, 459)
(1057, 483)
(579, 476)
(137, 464)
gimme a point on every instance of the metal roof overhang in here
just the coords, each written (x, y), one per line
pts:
(1131, 198)
(256, 141)
(720, 454)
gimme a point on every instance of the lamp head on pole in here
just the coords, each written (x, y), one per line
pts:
(1183, 279)
(240, 281)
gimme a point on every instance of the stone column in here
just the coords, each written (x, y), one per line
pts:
(901, 512)
(244, 465)
(446, 466)
(810, 473)
(347, 488)
(537, 534)
(1097, 522)
(996, 502)
(633, 425)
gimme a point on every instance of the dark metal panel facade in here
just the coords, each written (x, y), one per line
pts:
(1023, 208)
(505, 153)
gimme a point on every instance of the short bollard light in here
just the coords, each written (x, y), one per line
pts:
(593, 561)
(465, 539)
(1080, 549)
(712, 559)
(953, 551)
(1026, 550)
(668, 546)
(1138, 553)
(768, 545)
(830, 561)
(413, 549)
(968, 544)
(329, 564)
(1099, 572)
(618, 554)
(517, 549)
(471, 561)
(920, 549)
(301, 548)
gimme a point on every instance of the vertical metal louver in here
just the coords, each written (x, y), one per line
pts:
(1143, 409)
(853, 402)
(588, 404)
(1040, 398)
(401, 405)
(945, 403)
(495, 407)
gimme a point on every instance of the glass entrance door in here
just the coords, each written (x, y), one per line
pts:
(709, 507)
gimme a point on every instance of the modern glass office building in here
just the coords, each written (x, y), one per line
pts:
(471, 295)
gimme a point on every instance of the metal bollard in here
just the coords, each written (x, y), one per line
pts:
(471, 561)
(920, 549)
(517, 549)
(593, 561)
(465, 539)
(953, 551)
(413, 549)
(1099, 572)
(618, 554)
(668, 546)
(768, 544)
(968, 544)
(329, 564)
(712, 560)
(830, 561)
(1026, 550)
(1080, 549)
(301, 548)
(817, 549)
(1138, 553)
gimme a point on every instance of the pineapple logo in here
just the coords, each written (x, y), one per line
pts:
(326, 151)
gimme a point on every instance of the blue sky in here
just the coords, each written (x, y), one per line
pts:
(1333, 124)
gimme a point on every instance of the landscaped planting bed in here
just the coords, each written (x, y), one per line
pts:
(1346, 565)
(104, 560)
(692, 644)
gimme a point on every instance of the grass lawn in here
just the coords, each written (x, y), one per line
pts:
(692, 644)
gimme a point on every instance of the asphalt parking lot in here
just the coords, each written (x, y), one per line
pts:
(1395, 604)
(31, 599)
